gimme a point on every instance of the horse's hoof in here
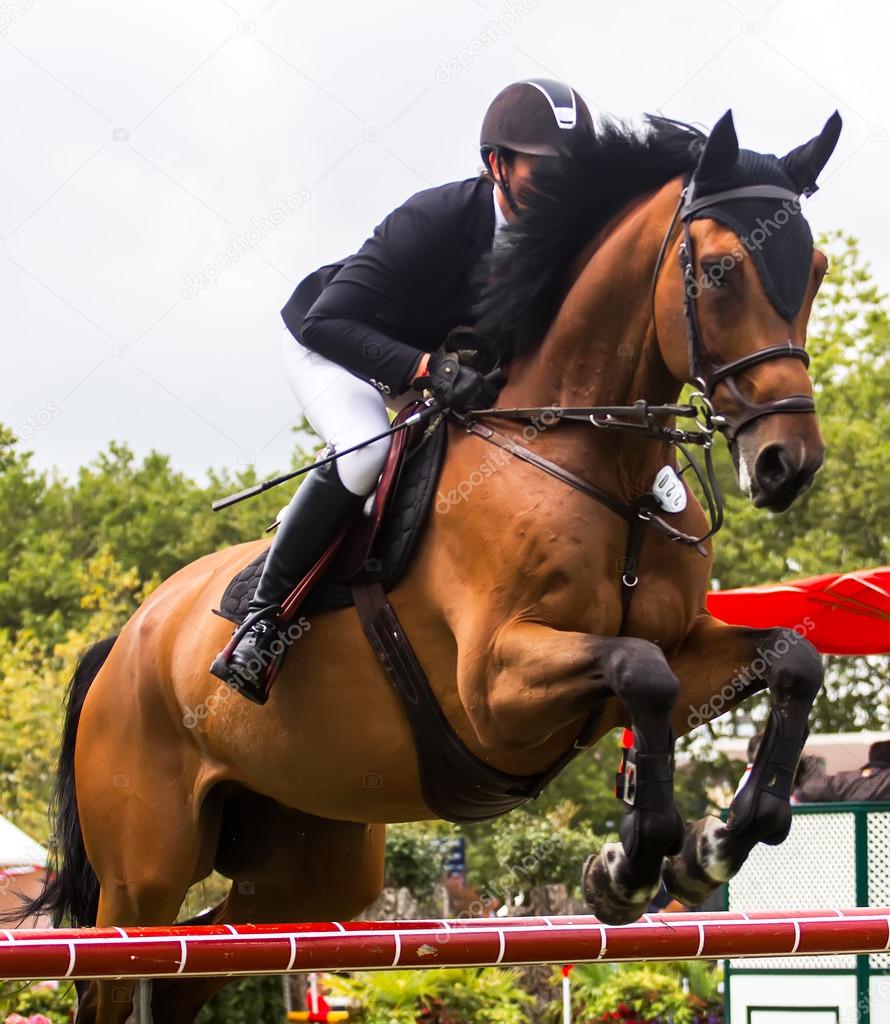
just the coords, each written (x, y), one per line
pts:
(605, 882)
(693, 874)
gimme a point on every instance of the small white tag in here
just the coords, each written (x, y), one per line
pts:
(669, 490)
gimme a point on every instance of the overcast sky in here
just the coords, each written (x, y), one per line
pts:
(144, 141)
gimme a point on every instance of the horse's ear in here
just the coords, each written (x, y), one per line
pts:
(804, 164)
(721, 151)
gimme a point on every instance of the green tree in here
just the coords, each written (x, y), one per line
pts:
(415, 856)
(76, 559)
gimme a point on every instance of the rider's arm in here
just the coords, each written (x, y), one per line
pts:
(814, 784)
(389, 268)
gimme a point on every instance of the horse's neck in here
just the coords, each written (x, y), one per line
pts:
(601, 347)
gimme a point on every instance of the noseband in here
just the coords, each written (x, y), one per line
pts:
(703, 370)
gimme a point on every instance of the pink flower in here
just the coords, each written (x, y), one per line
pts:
(15, 1018)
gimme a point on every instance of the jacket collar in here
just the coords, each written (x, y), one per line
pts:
(480, 224)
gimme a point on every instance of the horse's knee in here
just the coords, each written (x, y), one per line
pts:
(638, 671)
(793, 664)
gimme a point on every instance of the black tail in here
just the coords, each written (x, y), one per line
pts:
(71, 892)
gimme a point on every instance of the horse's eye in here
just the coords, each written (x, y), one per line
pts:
(714, 274)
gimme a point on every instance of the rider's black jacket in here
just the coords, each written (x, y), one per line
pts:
(406, 287)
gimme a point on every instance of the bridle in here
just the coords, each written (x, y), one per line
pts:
(703, 370)
(648, 419)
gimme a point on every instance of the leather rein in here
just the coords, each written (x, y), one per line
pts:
(657, 421)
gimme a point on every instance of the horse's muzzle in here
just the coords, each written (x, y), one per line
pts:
(781, 473)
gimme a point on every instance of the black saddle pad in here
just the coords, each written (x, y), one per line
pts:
(391, 551)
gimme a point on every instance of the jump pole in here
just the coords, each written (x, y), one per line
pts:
(420, 945)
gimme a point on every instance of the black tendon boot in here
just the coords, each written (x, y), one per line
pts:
(315, 515)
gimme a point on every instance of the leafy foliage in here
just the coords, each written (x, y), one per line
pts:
(56, 1001)
(415, 855)
(484, 996)
(246, 1001)
(76, 559)
(149, 517)
(644, 993)
(536, 849)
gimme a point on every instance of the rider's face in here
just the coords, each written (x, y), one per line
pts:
(521, 171)
(518, 171)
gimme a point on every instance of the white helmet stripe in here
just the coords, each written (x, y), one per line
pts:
(562, 101)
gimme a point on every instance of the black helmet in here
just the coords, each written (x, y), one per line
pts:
(540, 116)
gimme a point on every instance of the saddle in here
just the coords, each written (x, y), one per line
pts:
(376, 547)
(366, 561)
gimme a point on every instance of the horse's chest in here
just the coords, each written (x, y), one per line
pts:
(661, 610)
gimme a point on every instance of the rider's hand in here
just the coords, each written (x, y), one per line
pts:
(455, 385)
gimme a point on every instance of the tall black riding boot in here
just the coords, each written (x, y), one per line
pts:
(315, 515)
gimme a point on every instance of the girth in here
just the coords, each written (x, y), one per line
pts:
(456, 784)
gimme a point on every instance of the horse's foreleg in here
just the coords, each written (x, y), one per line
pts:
(719, 666)
(554, 673)
(620, 882)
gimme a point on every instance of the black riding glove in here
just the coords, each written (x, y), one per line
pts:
(457, 386)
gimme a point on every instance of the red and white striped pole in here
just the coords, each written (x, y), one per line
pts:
(359, 945)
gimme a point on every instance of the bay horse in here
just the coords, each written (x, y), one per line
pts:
(626, 277)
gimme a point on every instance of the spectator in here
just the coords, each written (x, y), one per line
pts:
(871, 782)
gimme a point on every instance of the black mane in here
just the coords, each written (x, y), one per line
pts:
(568, 202)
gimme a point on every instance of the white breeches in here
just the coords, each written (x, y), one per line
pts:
(342, 409)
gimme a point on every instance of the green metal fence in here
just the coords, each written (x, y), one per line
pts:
(836, 855)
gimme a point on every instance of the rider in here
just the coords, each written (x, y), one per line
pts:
(364, 331)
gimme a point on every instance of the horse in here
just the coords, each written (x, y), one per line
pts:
(635, 282)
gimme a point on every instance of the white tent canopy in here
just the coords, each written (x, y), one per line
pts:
(843, 751)
(19, 850)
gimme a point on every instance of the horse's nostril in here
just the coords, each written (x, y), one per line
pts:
(774, 466)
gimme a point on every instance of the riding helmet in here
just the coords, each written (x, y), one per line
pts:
(539, 116)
